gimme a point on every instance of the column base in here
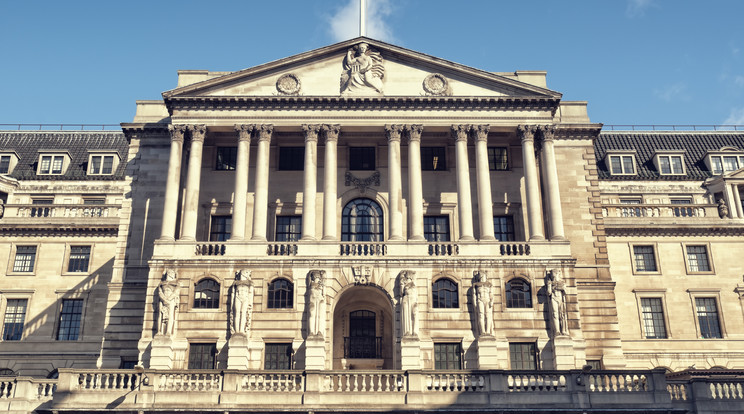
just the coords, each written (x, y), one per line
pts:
(308, 238)
(258, 238)
(187, 238)
(236, 238)
(567, 354)
(467, 238)
(166, 238)
(329, 238)
(238, 354)
(396, 238)
(417, 238)
(537, 237)
(558, 238)
(488, 238)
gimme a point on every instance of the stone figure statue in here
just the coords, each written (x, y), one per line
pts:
(2, 208)
(409, 303)
(556, 290)
(363, 70)
(241, 299)
(483, 303)
(168, 301)
(723, 211)
(316, 303)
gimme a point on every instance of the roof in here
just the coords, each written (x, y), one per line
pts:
(27, 145)
(695, 145)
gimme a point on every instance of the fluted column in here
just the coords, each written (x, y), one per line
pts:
(241, 181)
(550, 172)
(728, 193)
(464, 205)
(415, 191)
(483, 177)
(395, 182)
(534, 210)
(737, 200)
(173, 182)
(261, 203)
(193, 179)
(329, 181)
(310, 178)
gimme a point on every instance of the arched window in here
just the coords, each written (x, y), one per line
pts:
(207, 294)
(518, 294)
(280, 294)
(362, 221)
(444, 294)
(6, 372)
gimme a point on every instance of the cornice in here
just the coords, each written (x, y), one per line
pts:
(52, 230)
(577, 131)
(673, 230)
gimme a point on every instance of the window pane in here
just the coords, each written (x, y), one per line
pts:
(433, 159)
(436, 228)
(24, 259)
(497, 159)
(447, 356)
(79, 259)
(628, 167)
(108, 165)
(95, 164)
(69, 320)
(362, 158)
(4, 164)
(278, 357)
(57, 164)
(503, 228)
(444, 294)
(717, 165)
(291, 158)
(677, 165)
(15, 315)
(616, 166)
(523, 356)
(46, 163)
(707, 314)
(202, 356)
(362, 221)
(280, 294)
(730, 163)
(518, 294)
(221, 228)
(207, 295)
(653, 318)
(666, 168)
(288, 228)
(226, 158)
(645, 260)
(697, 257)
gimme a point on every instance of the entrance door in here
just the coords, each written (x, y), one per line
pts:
(362, 341)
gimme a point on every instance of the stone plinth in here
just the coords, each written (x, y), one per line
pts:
(488, 356)
(410, 353)
(564, 353)
(162, 353)
(315, 354)
(238, 352)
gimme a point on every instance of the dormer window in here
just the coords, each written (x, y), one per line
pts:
(621, 162)
(53, 164)
(669, 163)
(102, 163)
(8, 161)
(724, 161)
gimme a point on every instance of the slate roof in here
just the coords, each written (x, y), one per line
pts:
(77, 143)
(695, 144)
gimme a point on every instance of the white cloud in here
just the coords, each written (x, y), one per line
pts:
(637, 8)
(344, 23)
(672, 92)
(736, 117)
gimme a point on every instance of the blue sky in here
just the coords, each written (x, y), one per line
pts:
(634, 61)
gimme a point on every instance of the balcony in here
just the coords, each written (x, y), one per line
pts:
(60, 217)
(667, 219)
(361, 347)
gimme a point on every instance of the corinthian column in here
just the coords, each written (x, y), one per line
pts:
(534, 211)
(395, 182)
(483, 177)
(310, 180)
(173, 182)
(193, 178)
(329, 181)
(415, 192)
(551, 181)
(261, 203)
(464, 205)
(241, 181)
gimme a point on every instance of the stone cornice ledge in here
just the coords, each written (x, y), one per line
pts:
(659, 229)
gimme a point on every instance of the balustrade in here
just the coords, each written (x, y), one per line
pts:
(515, 249)
(443, 249)
(660, 210)
(210, 249)
(536, 382)
(363, 249)
(124, 380)
(617, 382)
(189, 381)
(282, 249)
(455, 382)
(678, 391)
(6, 388)
(726, 390)
(273, 382)
(357, 381)
(45, 389)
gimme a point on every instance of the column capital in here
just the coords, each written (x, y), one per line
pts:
(311, 132)
(547, 132)
(414, 132)
(264, 132)
(526, 132)
(393, 132)
(480, 132)
(177, 132)
(331, 132)
(244, 131)
(460, 132)
(198, 131)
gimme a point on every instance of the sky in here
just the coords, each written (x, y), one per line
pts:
(639, 62)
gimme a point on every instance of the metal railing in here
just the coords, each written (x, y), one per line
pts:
(59, 127)
(673, 127)
(362, 347)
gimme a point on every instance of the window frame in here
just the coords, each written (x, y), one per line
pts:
(54, 156)
(13, 258)
(212, 355)
(115, 160)
(707, 293)
(509, 222)
(68, 259)
(346, 226)
(452, 304)
(659, 158)
(207, 302)
(457, 350)
(289, 234)
(271, 290)
(364, 154)
(428, 234)
(529, 293)
(712, 156)
(61, 313)
(290, 154)
(622, 155)
(290, 355)
(634, 264)
(652, 294)
(491, 154)
(659, 332)
(6, 302)
(535, 354)
(12, 161)
(428, 153)
(711, 269)
(212, 224)
(231, 163)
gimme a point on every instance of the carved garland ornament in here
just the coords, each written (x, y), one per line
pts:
(437, 85)
(288, 84)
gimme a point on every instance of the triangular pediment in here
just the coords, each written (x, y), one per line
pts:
(347, 69)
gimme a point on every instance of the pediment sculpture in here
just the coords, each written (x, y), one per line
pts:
(363, 71)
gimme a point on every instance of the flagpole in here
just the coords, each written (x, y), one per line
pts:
(362, 18)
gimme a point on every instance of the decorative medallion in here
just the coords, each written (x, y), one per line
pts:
(362, 274)
(436, 84)
(288, 84)
(362, 184)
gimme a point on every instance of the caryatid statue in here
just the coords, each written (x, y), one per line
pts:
(408, 304)
(556, 289)
(363, 70)
(483, 303)
(316, 310)
(168, 302)
(241, 299)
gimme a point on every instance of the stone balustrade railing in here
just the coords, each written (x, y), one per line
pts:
(678, 211)
(26, 394)
(46, 211)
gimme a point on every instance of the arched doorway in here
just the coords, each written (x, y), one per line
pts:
(363, 329)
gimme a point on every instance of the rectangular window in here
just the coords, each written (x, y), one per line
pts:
(362, 158)
(127, 363)
(436, 228)
(653, 318)
(4, 164)
(503, 228)
(79, 259)
(101, 165)
(278, 357)
(24, 259)
(707, 314)
(221, 228)
(433, 159)
(697, 259)
(70, 319)
(594, 363)
(51, 164)
(717, 165)
(730, 163)
(645, 259)
(498, 159)
(622, 165)
(291, 158)
(670, 164)
(523, 355)
(448, 356)
(288, 228)
(15, 316)
(202, 356)
(226, 158)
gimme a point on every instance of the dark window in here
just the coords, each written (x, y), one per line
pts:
(207, 294)
(497, 159)
(288, 228)
(707, 314)
(202, 356)
(682, 207)
(79, 259)
(278, 357)
(697, 258)
(280, 294)
(6, 372)
(594, 363)
(4, 164)
(503, 228)
(291, 158)
(362, 221)
(15, 315)
(645, 260)
(226, 158)
(51, 164)
(518, 294)
(653, 318)
(523, 355)
(24, 259)
(436, 228)
(433, 159)
(69, 320)
(101, 164)
(94, 201)
(444, 294)
(221, 228)
(447, 356)
(622, 164)
(127, 363)
(362, 158)
(362, 342)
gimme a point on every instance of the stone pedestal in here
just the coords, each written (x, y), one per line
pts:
(410, 353)
(162, 352)
(564, 353)
(488, 356)
(238, 353)
(315, 354)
